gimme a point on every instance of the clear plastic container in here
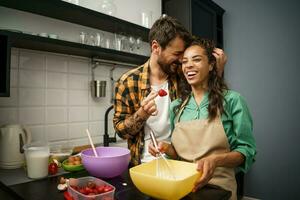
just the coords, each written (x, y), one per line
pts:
(80, 182)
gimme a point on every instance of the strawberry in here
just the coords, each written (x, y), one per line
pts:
(52, 168)
(162, 93)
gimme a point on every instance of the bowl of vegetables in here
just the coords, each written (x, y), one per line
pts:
(73, 163)
(87, 188)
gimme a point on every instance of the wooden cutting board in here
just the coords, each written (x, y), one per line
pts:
(78, 149)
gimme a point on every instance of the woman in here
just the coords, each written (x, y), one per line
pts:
(211, 124)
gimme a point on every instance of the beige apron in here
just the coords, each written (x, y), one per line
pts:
(196, 139)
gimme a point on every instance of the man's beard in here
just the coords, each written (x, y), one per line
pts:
(169, 68)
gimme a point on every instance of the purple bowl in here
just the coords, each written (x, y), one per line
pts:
(112, 161)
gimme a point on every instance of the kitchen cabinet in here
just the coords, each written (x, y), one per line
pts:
(61, 10)
(4, 65)
(202, 18)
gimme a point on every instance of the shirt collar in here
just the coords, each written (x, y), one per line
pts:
(193, 104)
(145, 76)
(145, 81)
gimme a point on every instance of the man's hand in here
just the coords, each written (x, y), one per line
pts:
(221, 59)
(148, 106)
(207, 167)
(136, 122)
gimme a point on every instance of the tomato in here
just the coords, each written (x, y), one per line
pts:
(100, 189)
(107, 188)
(162, 93)
(82, 191)
(107, 198)
(52, 168)
(68, 196)
(75, 187)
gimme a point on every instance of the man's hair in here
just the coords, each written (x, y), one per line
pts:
(165, 29)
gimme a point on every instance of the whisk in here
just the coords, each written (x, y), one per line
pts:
(160, 172)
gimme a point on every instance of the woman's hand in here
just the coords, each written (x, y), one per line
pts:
(207, 167)
(163, 147)
(221, 59)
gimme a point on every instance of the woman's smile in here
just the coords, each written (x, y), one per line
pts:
(190, 74)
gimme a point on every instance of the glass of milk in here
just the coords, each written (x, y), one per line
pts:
(37, 158)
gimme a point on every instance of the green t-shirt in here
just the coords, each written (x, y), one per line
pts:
(236, 119)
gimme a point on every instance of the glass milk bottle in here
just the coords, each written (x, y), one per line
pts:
(37, 158)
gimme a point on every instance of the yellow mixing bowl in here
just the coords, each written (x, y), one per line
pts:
(164, 185)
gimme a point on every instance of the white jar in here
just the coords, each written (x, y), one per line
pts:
(37, 158)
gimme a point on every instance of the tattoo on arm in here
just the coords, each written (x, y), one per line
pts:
(134, 123)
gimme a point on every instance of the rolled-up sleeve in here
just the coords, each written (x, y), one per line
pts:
(243, 129)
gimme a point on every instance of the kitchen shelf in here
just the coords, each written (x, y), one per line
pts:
(22, 40)
(61, 10)
(79, 15)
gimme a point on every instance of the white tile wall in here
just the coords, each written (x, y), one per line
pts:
(8, 115)
(38, 133)
(13, 78)
(31, 60)
(32, 97)
(56, 97)
(14, 62)
(11, 101)
(78, 97)
(77, 130)
(57, 63)
(57, 132)
(50, 94)
(78, 82)
(32, 115)
(56, 115)
(57, 80)
(32, 79)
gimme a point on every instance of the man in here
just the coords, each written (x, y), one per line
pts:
(138, 108)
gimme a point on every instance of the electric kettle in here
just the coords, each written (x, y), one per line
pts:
(12, 139)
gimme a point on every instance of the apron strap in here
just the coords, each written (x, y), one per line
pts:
(177, 117)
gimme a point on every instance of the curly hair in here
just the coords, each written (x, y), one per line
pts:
(216, 84)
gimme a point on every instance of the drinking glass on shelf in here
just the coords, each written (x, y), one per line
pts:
(131, 41)
(138, 43)
(91, 40)
(83, 38)
(118, 42)
(107, 43)
(98, 39)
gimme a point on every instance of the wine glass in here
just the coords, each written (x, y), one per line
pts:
(138, 42)
(132, 42)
